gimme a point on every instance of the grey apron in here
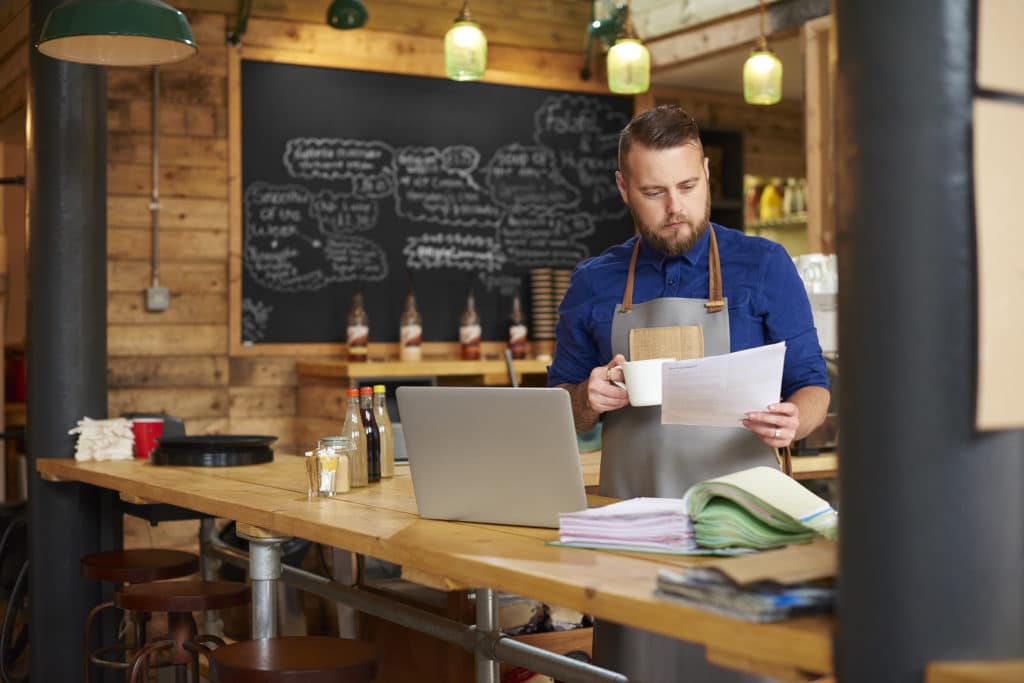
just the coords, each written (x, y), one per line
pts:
(642, 457)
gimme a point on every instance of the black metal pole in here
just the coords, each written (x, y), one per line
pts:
(67, 342)
(932, 512)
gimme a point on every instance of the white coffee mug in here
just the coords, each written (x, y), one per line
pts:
(642, 380)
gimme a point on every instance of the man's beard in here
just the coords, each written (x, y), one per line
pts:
(674, 247)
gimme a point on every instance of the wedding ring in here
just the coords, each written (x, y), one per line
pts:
(776, 434)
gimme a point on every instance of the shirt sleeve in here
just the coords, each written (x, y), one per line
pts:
(788, 318)
(576, 352)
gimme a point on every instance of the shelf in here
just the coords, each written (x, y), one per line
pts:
(726, 204)
(430, 368)
(797, 220)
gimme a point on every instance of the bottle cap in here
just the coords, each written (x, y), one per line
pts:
(378, 388)
(352, 392)
(364, 391)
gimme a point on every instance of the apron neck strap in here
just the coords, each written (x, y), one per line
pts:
(715, 301)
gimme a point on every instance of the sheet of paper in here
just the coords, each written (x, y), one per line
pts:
(718, 391)
(998, 60)
(998, 178)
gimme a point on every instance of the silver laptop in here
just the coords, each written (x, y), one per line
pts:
(499, 455)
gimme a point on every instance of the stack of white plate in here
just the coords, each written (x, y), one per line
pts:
(560, 281)
(543, 304)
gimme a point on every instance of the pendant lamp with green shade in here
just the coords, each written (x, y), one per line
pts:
(117, 33)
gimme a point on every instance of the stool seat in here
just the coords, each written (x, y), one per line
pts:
(140, 565)
(311, 659)
(182, 596)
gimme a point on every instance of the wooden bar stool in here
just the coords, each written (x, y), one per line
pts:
(179, 599)
(141, 565)
(309, 659)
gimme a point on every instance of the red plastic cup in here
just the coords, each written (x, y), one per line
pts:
(147, 430)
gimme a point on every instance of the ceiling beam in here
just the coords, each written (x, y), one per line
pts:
(731, 32)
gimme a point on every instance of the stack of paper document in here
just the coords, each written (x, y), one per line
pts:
(659, 524)
(710, 589)
(748, 510)
(757, 508)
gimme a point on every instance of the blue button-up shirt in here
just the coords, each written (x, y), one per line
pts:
(767, 303)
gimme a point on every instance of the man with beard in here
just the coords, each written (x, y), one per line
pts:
(683, 271)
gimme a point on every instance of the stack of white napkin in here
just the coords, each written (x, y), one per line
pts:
(104, 439)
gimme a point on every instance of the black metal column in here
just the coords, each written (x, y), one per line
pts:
(67, 343)
(932, 512)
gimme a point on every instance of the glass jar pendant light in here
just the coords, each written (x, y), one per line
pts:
(117, 33)
(465, 48)
(629, 62)
(762, 72)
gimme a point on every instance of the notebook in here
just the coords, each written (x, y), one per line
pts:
(499, 455)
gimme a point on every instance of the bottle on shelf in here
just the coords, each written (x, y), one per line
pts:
(469, 330)
(387, 434)
(801, 195)
(770, 202)
(751, 198)
(517, 329)
(410, 330)
(353, 428)
(357, 331)
(789, 198)
(372, 435)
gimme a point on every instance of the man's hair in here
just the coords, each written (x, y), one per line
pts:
(663, 127)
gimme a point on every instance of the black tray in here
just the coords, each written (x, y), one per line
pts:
(219, 450)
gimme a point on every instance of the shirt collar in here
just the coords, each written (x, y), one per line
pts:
(694, 256)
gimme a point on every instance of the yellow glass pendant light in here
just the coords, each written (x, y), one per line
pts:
(629, 62)
(762, 72)
(465, 48)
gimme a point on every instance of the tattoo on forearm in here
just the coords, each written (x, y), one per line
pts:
(584, 416)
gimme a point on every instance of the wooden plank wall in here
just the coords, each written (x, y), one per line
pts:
(13, 56)
(773, 141)
(177, 361)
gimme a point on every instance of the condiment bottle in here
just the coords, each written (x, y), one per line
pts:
(357, 333)
(469, 330)
(372, 434)
(789, 198)
(410, 331)
(771, 203)
(387, 433)
(517, 329)
(354, 429)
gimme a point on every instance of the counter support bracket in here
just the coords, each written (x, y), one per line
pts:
(264, 571)
(487, 667)
(493, 644)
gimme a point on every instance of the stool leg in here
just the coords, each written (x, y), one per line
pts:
(208, 568)
(139, 664)
(198, 646)
(87, 649)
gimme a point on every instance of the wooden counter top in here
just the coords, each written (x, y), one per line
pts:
(381, 521)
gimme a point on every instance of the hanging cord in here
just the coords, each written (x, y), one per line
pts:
(154, 204)
(762, 42)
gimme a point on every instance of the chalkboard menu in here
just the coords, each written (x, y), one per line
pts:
(362, 180)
